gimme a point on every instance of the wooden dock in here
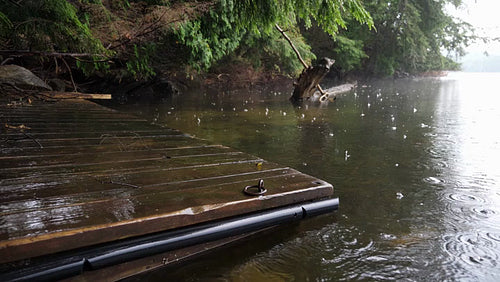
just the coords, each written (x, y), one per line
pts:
(74, 174)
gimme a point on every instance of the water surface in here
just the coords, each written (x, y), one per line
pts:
(415, 163)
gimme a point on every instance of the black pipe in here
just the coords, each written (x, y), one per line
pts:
(49, 274)
(224, 229)
(169, 242)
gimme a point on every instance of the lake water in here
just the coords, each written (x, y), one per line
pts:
(415, 163)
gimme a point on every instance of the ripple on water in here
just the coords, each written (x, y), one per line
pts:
(442, 164)
(493, 236)
(465, 215)
(483, 212)
(422, 166)
(466, 198)
(328, 249)
(477, 249)
(435, 165)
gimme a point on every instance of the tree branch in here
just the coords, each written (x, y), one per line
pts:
(323, 93)
(21, 53)
(143, 32)
(291, 44)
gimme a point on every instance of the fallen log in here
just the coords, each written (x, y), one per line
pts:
(341, 88)
(74, 95)
(336, 90)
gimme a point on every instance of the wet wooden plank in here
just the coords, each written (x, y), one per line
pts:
(65, 158)
(29, 141)
(126, 216)
(77, 159)
(113, 189)
(44, 186)
(83, 126)
(145, 162)
(22, 137)
(36, 147)
(81, 174)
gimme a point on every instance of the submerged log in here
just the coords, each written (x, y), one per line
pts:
(310, 78)
(331, 93)
(334, 91)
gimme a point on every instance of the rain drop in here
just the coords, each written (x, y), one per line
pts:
(346, 155)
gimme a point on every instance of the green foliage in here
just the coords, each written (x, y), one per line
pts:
(329, 14)
(140, 64)
(211, 37)
(410, 36)
(350, 53)
(221, 31)
(5, 27)
(400, 35)
(272, 51)
(49, 25)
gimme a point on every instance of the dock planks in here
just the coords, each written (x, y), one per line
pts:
(75, 174)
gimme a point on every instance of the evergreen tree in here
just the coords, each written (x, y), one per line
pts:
(48, 25)
(221, 31)
(399, 36)
(409, 36)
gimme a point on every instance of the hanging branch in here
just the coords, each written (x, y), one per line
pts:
(324, 95)
(293, 46)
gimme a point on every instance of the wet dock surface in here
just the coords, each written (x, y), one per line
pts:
(75, 174)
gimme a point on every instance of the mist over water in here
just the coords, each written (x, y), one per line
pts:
(415, 163)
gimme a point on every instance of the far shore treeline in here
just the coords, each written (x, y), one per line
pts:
(139, 40)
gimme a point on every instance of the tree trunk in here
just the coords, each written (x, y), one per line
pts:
(310, 78)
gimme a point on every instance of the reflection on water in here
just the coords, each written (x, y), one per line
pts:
(467, 134)
(414, 162)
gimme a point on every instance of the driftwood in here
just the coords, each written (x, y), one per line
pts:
(331, 93)
(341, 88)
(74, 95)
